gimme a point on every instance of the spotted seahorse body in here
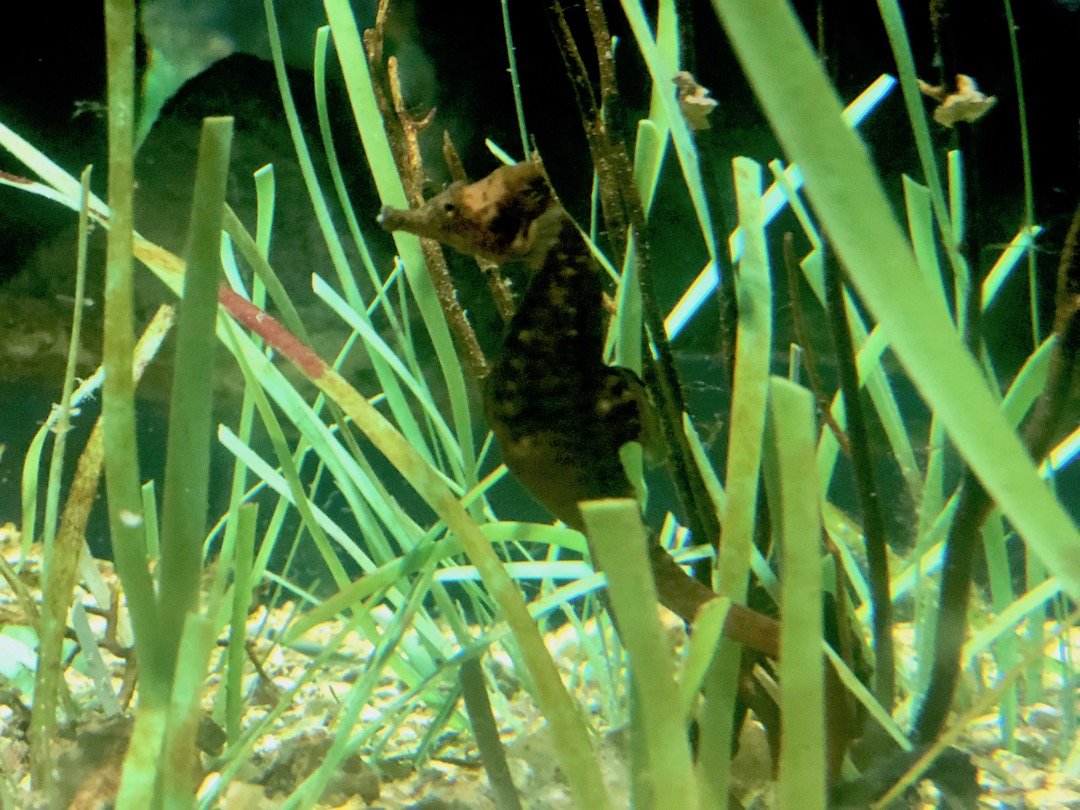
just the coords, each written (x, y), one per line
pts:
(558, 412)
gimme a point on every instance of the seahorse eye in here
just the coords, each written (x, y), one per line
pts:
(448, 207)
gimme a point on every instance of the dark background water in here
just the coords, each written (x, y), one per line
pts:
(453, 58)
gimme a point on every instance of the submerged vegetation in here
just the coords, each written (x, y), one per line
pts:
(879, 679)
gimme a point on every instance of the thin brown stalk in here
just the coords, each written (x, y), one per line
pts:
(877, 549)
(596, 131)
(412, 173)
(802, 336)
(453, 159)
(1062, 390)
(486, 734)
(373, 44)
(402, 133)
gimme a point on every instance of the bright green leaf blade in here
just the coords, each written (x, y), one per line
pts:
(802, 681)
(615, 530)
(805, 113)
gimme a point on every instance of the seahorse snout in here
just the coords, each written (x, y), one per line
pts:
(391, 219)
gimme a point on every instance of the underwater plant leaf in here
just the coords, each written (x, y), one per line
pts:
(179, 781)
(354, 68)
(615, 529)
(398, 323)
(1029, 383)
(120, 435)
(704, 639)
(185, 500)
(847, 537)
(243, 562)
(753, 349)
(573, 745)
(753, 292)
(388, 383)
(774, 200)
(650, 145)
(920, 222)
(949, 224)
(625, 327)
(662, 66)
(288, 485)
(859, 691)
(1006, 263)
(376, 345)
(840, 181)
(64, 407)
(1005, 622)
(322, 40)
(355, 483)
(802, 682)
(322, 528)
(869, 350)
(515, 83)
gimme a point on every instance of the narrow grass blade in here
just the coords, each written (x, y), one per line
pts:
(575, 751)
(614, 527)
(920, 221)
(247, 515)
(388, 383)
(802, 682)
(118, 398)
(377, 346)
(708, 279)
(486, 731)
(354, 68)
(1006, 263)
(177, 769)
(706, 635)
(896, 32)
(752, 353)
(58, 562)
(661, 64)
(515, 84)
(753, 347)
(187, 464)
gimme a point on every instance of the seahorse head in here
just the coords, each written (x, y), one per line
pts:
(504, 217)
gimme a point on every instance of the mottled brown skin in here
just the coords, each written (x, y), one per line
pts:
(559, 413)
(510, 215)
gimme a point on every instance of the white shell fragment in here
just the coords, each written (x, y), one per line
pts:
(694, 100)
(966, 103)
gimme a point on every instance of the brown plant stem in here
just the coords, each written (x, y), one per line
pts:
(486, 733)
(412, 174)
(802, 335)
(877, 548)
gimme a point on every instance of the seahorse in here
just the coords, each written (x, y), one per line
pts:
(559, 413)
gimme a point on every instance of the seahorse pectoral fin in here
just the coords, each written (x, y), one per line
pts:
(629, 414)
